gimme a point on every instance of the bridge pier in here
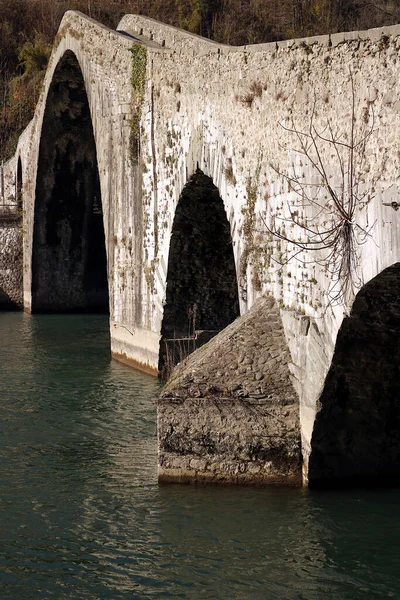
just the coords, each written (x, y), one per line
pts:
(138, 348)
(230, 413)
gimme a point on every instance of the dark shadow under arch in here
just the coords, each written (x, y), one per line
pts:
(356, 437)
(7, 303)
(202, 293)
(69, 264)
(19, 186)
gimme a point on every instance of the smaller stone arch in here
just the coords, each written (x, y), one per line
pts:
(356, 436)
(69, 259)
(201, 293)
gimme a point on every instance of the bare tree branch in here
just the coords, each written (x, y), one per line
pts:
(338, 242)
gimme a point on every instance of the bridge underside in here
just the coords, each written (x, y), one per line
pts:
(202, 294)
(6, 303)
(356, 437)
(69, 265)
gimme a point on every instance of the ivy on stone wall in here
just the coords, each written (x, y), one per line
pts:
(138, 77)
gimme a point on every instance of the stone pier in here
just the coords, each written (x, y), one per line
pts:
(230, 413)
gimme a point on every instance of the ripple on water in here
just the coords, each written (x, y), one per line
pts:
(82, 517)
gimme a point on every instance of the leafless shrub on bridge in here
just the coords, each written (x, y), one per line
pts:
(332, 231)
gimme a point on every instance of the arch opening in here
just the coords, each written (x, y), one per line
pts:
(6, 302)
(69, 262)
(356, 437)
(19, 183)
(202, 293)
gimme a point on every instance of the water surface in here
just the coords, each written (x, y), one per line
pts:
(82, 516)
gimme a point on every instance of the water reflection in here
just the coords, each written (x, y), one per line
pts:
(81, 515)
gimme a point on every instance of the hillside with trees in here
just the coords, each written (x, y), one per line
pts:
(28, 27)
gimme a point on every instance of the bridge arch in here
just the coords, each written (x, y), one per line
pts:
(69, 262)
(201, 288)
(356, 436)
(6, 303)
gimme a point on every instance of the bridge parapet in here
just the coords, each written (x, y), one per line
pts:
(167, 36)
(183, 41)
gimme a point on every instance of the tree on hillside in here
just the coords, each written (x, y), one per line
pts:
(226, 21)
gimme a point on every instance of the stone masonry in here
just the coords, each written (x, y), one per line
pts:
(230, 412)
(10, 262)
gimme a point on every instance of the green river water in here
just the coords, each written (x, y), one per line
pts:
(82, 516)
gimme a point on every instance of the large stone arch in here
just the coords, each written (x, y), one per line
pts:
(105, 68)
(356, 436)
(69, 262)
(201, 283)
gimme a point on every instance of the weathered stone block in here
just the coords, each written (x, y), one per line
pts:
(243, 433)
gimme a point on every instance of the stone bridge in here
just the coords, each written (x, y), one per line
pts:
(176, 184)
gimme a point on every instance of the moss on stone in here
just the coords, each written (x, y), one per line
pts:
(138, 77)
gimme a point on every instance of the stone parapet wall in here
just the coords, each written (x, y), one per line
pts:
(167, 36)
(183, 41)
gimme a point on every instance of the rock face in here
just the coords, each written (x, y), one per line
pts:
(230, 413)
(10, 263)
